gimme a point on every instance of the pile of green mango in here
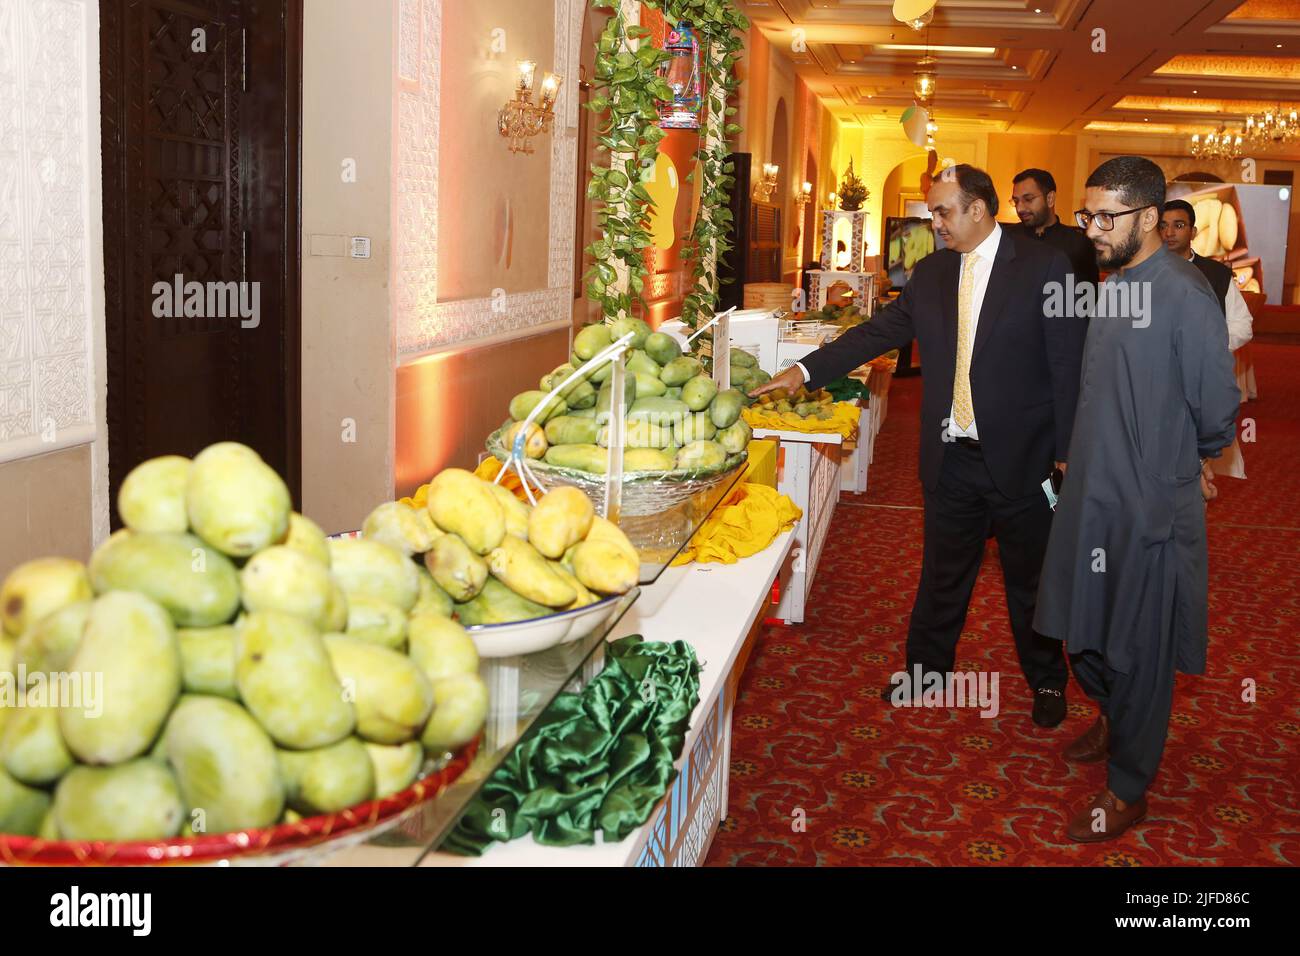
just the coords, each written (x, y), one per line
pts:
(219, 664)
(677, 419)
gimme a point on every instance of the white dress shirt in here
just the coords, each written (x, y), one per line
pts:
(987, 252)
(1241, 324)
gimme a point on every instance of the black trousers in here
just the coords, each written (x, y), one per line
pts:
(958, 515)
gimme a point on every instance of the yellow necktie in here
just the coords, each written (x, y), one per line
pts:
(963, 408)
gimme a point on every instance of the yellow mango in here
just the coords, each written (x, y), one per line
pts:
(584, 597)
(603, 529)
(605, 567)
(327, 779)
(460, 706)
(40, 587)
(432, 600)
(516, 511)
(130, 640)
(440, 647)
(32, 749)
(376, 621)
(208, 660)
(49, 645)
(521, 567)
(560, 520)
(462, 503)
(535, 444)
(132, 801)
(22, 808)
(456, 568)
(197, 584)
(368, 567)
(235, 501)
(497, 604)
(286, 681)
(336, 610)
(396, 766)
(152, 496)
(280, 578)
(306, 536)
(401, 527)
(391, 695)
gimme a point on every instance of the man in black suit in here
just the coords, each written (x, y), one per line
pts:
(1033, 196)
(1001, 382)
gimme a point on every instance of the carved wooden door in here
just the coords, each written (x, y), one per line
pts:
(200, 130)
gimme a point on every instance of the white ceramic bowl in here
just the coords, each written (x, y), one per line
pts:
(541, 633)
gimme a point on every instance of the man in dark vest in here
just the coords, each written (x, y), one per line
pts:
(1178, 229)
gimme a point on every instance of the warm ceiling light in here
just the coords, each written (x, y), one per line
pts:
(915, 47)
(915, 13)
(924, 80)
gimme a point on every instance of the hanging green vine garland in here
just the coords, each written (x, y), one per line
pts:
(628, 86)
(721, 27)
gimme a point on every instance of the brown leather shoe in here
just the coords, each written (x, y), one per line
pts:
(1093, 746)
(1101, 820)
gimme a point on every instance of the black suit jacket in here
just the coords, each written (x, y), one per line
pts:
(1218, 275)
(1025, 365)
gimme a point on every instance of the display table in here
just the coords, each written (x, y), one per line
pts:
(809, 475)
(714, 607)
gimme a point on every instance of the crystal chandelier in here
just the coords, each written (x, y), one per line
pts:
(1219, 144)
(1272, 127)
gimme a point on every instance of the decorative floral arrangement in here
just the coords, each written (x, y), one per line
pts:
(852, 192)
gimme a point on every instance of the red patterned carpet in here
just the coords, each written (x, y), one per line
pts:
(824, 773)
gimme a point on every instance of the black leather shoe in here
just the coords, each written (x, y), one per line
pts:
(1049, 707)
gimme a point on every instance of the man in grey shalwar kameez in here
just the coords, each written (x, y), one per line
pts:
(1125, 580)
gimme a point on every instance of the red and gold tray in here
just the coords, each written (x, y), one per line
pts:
(334, 830)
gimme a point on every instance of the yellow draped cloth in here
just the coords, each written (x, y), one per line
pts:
(844, 419)
(744, 524)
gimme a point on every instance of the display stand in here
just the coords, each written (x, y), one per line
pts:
(809, 475)
(863, 285)
(714, 607)
(855, 464)
(857, 220)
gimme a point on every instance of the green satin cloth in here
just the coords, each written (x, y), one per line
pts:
(599, 760)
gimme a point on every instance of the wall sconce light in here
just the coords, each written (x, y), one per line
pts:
(521, 119)
(832, 198)
(803, 197)
(764, 188)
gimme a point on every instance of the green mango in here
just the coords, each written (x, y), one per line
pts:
(441, 648)
(281, 578)
(589, 458)
(648, 386)
(130, 640)
(648, 459)
(40, 587)
(701, 456)
(639, 361)
(697, 426)
(152, 496)
(138, 800)
(49, 826)
(48, 647)
(735, 437)
(603, 403)
(401, 527)
(327, 779)
(306, 536)
(236, 502)
(396, 766)
(699, 392)
(648, 432)
(758, 378)
(336, 612)
(456, 568)
(741, 377)
(805, 409)
(581, 397)
(8, 649)
(22, 808)
(725, 408)
(460, 706)
(680, 371)
(432, 600)
(568, 430)
(639, 328)
(208, 660)
(391, 695)
(673, 392)
(32, 749)
(590, 340)
(376, 621)
(522, 405)
(583, 412)
(497, 604)
(662, 347)
(596, 376)
(225, 765)
(197, 584)
(741, 357)
(374, 569)
(665, 411)
(285, 680)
